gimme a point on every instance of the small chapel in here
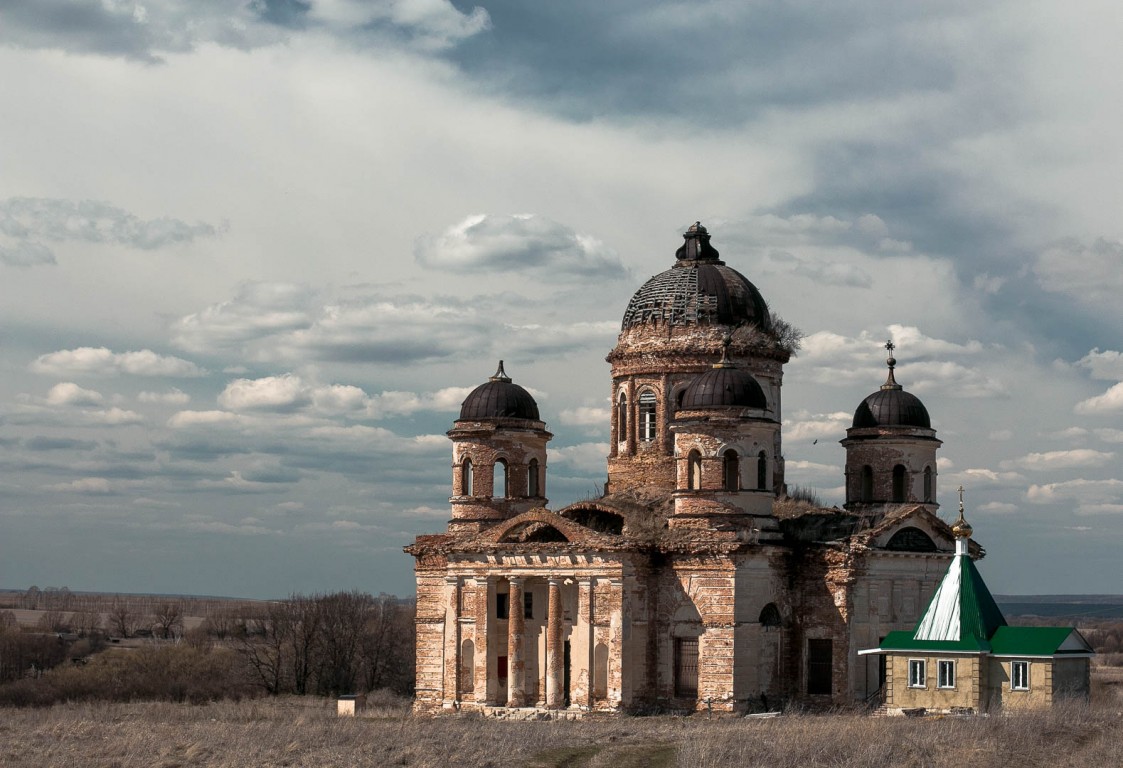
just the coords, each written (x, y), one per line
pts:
(694, 582)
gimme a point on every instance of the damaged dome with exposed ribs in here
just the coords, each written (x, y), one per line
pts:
(698, 290)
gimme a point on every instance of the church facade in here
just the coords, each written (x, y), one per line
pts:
(694, 582)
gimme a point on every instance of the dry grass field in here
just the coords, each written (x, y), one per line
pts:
(306, 732)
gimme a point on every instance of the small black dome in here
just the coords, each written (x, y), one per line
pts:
(722, 387)
(499, 398)
(892, 408)
(699, 289)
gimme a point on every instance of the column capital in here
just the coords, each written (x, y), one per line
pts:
(516, 580)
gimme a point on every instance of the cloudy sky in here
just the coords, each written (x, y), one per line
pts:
(254, 254)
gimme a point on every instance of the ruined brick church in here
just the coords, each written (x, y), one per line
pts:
(694, 582)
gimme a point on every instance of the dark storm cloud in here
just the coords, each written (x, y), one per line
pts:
(716, 63)
(58, 444)
(285, 13)
(29, 221)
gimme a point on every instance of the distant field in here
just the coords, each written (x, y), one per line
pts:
(1074, 606)
(305, 732)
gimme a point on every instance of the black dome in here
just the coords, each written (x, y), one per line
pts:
(499, 398)
(892, 408)
(698, 289)
(724, 387)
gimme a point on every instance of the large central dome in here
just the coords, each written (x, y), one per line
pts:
(698, 290)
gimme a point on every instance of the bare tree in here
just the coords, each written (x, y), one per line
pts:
(52, 620)
(263, 642)
(168, 618)
(122, 618)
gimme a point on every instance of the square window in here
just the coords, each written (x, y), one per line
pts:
(918, 673)
(501, 604)
(1019, 675)
(946, 674)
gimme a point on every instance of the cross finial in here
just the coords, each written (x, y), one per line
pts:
(889, 345)
(960, 490)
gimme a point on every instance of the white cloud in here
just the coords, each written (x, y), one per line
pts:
(518, 243)
(85, 485)
(806, 427)
(173, 396)
(29, 221)
(998, 507)
(1098, 280)
(585, 416)
(1080, 457)
(101, 361)
(1082, 491)
(1109, 435)
(69, 393)
(585, 458)
(277, 393)
(1106, 365)
(1110, 401)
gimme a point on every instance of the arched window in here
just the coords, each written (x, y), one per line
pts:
(499, 479)
(693, 471)
(770, 616)
(600, 671)
(762, 471)
(867, 484)
(467, 666)
(731, 471)
(466, 477)
(900, 483)
(647, 416)
(622, 418)
(928, 484)
(532, 484)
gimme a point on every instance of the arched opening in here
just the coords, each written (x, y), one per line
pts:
(533, 532)
(693, 471)
(770, 616)
(467, 663)
(466, 478)
(678, 399)
(911, 539)
(600, 671)
(499, 478)
(900, 483)
(762, 471)
(597, 520)
(647, 416)
(928, 485)
(533, 485)
(866, 494)
(731, 471)
(622, 418)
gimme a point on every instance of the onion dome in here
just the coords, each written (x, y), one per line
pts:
(698, 290)
(724, 386)
(961, 528)
(891, 406)
(499, 398)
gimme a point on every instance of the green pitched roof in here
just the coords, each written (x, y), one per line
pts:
(962, 610)
(1038, 641)
(963, 617)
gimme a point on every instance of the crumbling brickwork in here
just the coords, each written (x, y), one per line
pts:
(692, 583)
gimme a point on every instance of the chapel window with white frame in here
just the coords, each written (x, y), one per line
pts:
(918, 673)
(1019, 675)
(945, 673)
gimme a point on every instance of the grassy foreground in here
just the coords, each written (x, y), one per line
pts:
(306, 732)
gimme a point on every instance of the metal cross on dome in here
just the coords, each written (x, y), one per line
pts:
(960, 489)
(889, 345)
